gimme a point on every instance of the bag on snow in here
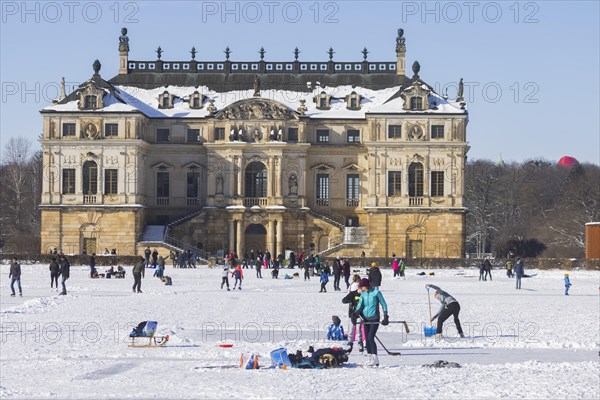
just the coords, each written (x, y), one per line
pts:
(249, 361)
(279, 358)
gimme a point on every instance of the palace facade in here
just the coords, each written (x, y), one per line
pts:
(327, 157)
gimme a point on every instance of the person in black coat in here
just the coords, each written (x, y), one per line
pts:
(65, 269)
(337, 273)
(352, 300)
(375, 276)
(92, 264)
(54, 273)
(346, 272)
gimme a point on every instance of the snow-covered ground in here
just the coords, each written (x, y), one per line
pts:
(532, 343)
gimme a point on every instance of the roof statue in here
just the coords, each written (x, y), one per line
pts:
(364, 53)
(331, 53)
(62, 89)
(460, 90)
(227, 53)
(159, 52)
(256, 86)
(262, 53)
(400, 41)
(296, 52)
(123, 41)
(193, 51)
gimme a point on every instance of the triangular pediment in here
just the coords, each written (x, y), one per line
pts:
(193, 165)
(162, 166)
(322, 167)
(257, 109)
(353, 167)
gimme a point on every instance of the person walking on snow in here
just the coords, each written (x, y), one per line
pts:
(238, 275)
(368, 304)
(567, 284)
(488, 268)
(306, 266)
(449, 306)
(346, 271)
(15, 276)
(337, 273)
(374, 276)
(519, 271)
(258, 266)
(139, 270)
(402, 269)
(65, 272)
(225, 277)
(54, 273)
(482, 271)
(324, 279)
(509, 268)
(395, 265)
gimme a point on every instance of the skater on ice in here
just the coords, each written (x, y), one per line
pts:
(15, 276)
(567, 284)
(238, 275)
(54, 273)
(225, 277)
(65, 272)
(138, 272)
(449, 307)
(368, 305)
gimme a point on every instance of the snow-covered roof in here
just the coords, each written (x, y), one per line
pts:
(146, 101)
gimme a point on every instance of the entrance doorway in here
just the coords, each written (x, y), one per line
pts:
(255, 238)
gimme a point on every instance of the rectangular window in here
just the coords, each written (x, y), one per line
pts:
(196, 102)
(353, 103)
(68, 129)
(162, 184)
(352, 186)
(416, 103)
(292, 135)
(111, 130)
(322, 193)
(322, 135)
(394, 131)
(162, 135)
(219, 133)
(68, 183)
(323, 102)
(394, 183)
(110, 181)
(193, 135)
(437, 183)
(193, 179)
(90, 102)
(165, 102)
(437, 131)
(353, 136)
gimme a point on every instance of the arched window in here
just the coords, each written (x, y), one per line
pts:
(415, 180)
(256, 180)
(90, 177)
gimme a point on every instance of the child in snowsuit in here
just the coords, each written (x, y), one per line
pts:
(509, 267)
(352, 300)
(225, 277)
(336, 330)
(567, 284)
(238, 275)
(324, 280)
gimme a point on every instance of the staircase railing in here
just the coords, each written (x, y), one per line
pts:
(202, 254)
(333, 219)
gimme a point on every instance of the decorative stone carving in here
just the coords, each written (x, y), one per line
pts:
(302, 109)
(415, 90)
(256, 109)
(90, 130)
(416, 132)
(293, 185)
(220, 181)
(90, 89)
(124, 41)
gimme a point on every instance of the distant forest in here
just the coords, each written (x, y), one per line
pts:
(535, 208)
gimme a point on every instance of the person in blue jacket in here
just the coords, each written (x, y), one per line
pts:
(368, 305)
(519, 271)
(567, 284)
(336, 330)
(324, 280)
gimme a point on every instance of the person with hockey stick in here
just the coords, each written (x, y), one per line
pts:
(449, 307)
(368, 304)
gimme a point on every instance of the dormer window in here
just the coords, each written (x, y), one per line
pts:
(196, 101)
(353, 101)
(323, 101)
(416, 103)
(90, 102)
(165, 100)
(90, 97)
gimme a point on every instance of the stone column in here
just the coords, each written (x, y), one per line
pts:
(231, 243)
(240, 177)
(277, 176)
(271, 236)
(240, 238)
(231, 171)
(270, 178)
(279, 243)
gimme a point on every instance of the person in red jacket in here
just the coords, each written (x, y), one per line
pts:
(238, 275)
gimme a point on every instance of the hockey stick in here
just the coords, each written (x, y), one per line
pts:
(391, 322)
(391, 353)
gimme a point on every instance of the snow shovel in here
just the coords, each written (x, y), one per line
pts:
(429, 331)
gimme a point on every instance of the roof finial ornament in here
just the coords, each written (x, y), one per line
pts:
(193, 51)
(364, 53)
(159, 52)
(296, 52)
(416, 67)
(400, 41)
(262, 53)
(227, 53)
(96, 66)
(124, 41)
(331, 53)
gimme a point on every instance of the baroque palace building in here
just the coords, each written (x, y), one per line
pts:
(329, 157)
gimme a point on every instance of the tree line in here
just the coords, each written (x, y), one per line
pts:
(534, 208)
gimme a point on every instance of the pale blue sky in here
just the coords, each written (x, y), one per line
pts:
(543, 56)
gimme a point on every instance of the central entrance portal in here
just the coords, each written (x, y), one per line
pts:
(255, 238)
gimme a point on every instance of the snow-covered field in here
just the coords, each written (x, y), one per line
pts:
(532, 343)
